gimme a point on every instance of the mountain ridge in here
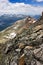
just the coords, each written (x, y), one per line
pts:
(8, 20)
(22, 43)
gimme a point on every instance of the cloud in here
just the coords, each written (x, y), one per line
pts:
(19, 8)
(39, 0)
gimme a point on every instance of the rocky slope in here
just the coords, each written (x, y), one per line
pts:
(13, 30)
(22, 43)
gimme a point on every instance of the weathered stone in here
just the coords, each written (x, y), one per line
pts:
(38, 53)
(7, 61)
(28, 56)
(8, 47)
(38, 63)
(18, 50)
(14, 60)
(33, 62)
(21, 45)
(22, 60)
(28, 47)
(37, 50)
(13, 63)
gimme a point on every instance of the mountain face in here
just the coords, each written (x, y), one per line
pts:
(22, 43)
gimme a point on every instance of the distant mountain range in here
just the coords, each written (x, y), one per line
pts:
(36, 16)
(7, 20)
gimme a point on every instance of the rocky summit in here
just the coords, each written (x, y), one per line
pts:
(22, 43)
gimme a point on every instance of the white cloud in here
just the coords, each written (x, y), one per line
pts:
(18, 8)
(39, 0)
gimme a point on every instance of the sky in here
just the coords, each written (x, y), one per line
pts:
(26, 7)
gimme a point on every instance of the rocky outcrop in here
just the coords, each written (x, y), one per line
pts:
(26, 48)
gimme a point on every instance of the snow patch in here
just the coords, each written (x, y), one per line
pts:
(34, 21)
(11, 35)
